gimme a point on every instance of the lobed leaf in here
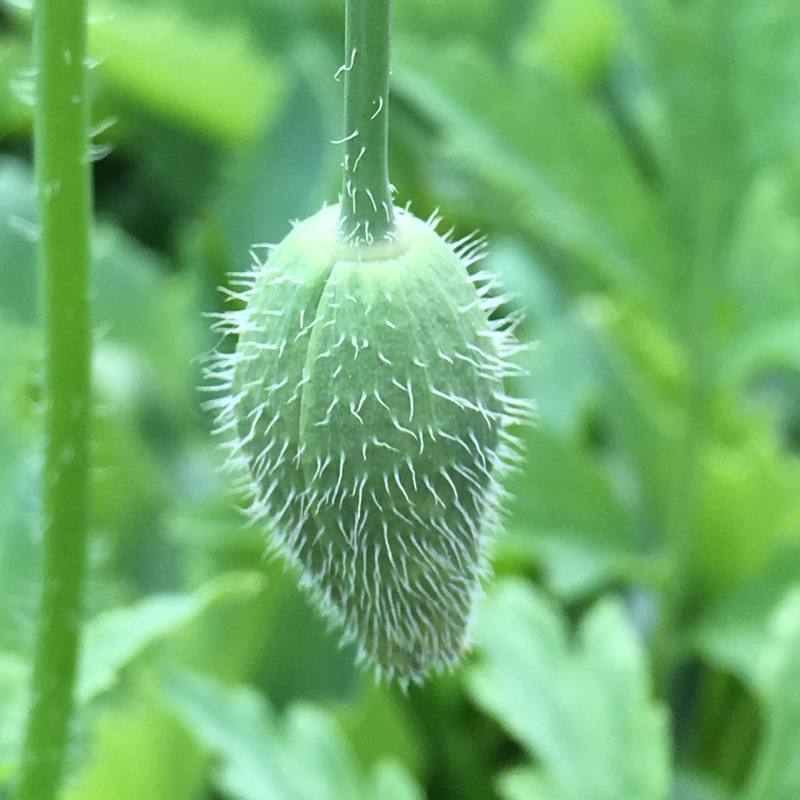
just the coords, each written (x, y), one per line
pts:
(112, 640)
(720, 102)
(301, 757)
(523, 134)
(582, 709)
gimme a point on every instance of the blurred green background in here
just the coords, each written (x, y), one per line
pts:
(636, 166)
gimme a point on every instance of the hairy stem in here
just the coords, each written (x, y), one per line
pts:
(61, 142)
(367, 213)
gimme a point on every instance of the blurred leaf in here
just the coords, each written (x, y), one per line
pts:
(285, 176)
(573, 38)
(130, 482)
(567, 514)
(523, 273)
(523, 135)
(734, 631)
(767, 46)
(20, 578)
(525, 783)
(136, 301)
(15, 86)
(391, 782)
(776, 775)
(19, 487)
(643, 375)
(152, 313)
(765, 253)
(581, 708)
(725, 100)
(138, 751)
(115, 637)
(14, 674)
(773, 345)
(762, 312)
(302, 756)
(690, 786)
(563, 373)
(129, 282)
(749, 504)
(18, 292)
(380, 708)
(111, 641)
(210, 79)
(496, 23)
(304, 660)
(689, 58)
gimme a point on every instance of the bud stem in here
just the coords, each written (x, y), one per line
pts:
(61, 153)
(367, 213)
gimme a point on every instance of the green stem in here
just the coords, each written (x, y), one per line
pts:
(367, 213)
(697, 294)
(61, 148)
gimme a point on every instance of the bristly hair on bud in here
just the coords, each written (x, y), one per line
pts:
(366, 415)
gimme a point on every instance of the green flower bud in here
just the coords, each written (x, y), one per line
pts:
(365, 404)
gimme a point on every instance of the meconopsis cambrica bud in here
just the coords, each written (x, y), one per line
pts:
(365, 407)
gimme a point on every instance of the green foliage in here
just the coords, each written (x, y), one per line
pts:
(520, 135)
(263, 757)
(636, 167)
(776, 774)
(146, 53)
(580, 545)
(581, 709)
(112, 640)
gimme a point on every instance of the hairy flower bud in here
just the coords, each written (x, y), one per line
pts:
(365, 404)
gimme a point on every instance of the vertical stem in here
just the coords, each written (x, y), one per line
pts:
(681, 523)
(61, 142)
(367, 213)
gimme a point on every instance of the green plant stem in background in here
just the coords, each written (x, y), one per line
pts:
(698, 294)
(367, 211)
(61, 148)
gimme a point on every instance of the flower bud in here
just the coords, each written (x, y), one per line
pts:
(365, 404)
